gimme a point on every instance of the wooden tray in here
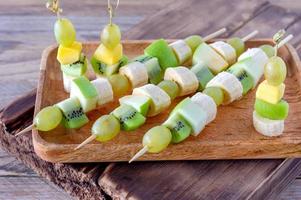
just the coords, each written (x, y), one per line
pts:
(230, 136)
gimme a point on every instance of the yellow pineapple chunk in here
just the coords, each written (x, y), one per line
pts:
(69, 55)
(108, 56)
(269, 93)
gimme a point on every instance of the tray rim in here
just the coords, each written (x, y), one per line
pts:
(40, 143)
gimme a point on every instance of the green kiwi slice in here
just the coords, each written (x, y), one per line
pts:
(76, 69)
(203, 74)
(103, 69)
(277, 111)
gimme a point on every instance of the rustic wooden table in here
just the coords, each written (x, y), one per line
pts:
(26, 29)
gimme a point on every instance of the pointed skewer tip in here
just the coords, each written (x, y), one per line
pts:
(87, 141)
(139, 154)
(27, 129)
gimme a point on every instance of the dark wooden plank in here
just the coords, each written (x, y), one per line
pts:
(251, 179)
(293, 192)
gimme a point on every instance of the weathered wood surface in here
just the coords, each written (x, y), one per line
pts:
(14, 84)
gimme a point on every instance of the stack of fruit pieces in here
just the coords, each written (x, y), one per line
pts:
(108, 57)
(73, 61)
(270, 109)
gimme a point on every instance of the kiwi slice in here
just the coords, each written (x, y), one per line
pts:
(203, 74)
(179, 127)
(102, 69)
(163, 52)
(73, 114)
(277, 111)
(140, 103)
(243, 76)
(77, 68)
(85, 91)
(130, 119)
(152, 65)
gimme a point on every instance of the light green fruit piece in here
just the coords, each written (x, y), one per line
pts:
(193, 41)
(106, 128)
(275, 71)
(238, 44)
(120, 84)
(48, 118)
(203, 74)
(85, 91)
(76, 69)
(268, 50)
(73, 114)
(152, 65)
(179, 127)
(216, 94)
(192, 113)
(209, 57)
(277, 111)
(140, 103)
(163, 52)
(101, 68)
(170, 87)
(157, 139)
(243, 76)
(129, 118)
(64, 32)
(110, 36)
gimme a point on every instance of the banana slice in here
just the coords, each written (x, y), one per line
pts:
(159, 98)
(255, 64)
(207, 104)
(266, 126)
(230, 84)
(181, 50)
(184, 77)
(136, 72)
(104, 89)
(67, 82)
(225, 50)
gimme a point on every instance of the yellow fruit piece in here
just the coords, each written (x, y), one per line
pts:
(269, 93)
(109, 56)
(69, 55)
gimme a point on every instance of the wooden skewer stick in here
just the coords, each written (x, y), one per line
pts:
(215, 34)
(285, 40)
(27, 129)
(87, 141)
(139, 154)
(249, 36)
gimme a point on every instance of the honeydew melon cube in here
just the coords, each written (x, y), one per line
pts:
(140, 103)
(86, 93)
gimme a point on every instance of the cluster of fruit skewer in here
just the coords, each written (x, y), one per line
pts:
(50, 117)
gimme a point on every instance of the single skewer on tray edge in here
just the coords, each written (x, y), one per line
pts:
(145, 149)
(206, 38)
(211, 36)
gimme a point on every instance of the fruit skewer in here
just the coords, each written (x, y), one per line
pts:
(270, 110)
(150, 100)
(117, 85)
(192, 114)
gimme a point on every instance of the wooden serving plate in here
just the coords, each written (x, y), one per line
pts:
(230, 136)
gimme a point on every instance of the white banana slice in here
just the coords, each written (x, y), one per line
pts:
(225, 50)
(256, 65)
(181, 50)
(207, 104)
(136, 72)
(184, 77)
(159, 98)
(104, 89)
(230, 84)
(266, 126)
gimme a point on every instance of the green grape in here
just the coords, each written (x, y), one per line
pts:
(157, 139)
(106, 128)
(193, 41)
(120, 84)
(170, 87)
(48, 118)
(237, 44)
(110, 36)
(275, 71)
(64, 32)
(268, 50)
(216, 93)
